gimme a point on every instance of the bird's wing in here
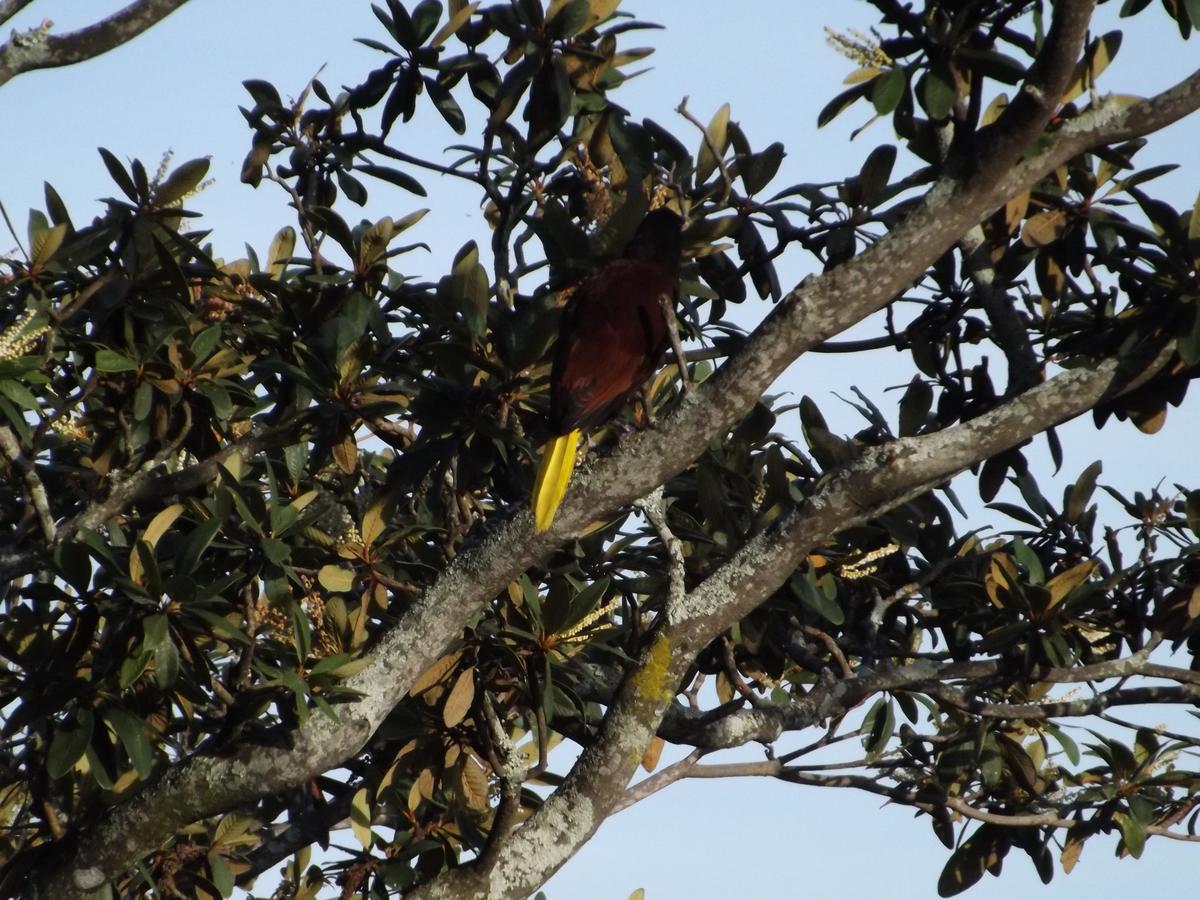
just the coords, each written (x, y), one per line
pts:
(612, 336)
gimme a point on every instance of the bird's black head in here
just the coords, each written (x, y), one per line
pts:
(658, 238)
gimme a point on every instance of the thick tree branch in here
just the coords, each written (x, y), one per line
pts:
(24, 53)
(813, 312)
(9, 8)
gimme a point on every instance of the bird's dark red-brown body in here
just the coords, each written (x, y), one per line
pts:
(612, 336)
(614, 331)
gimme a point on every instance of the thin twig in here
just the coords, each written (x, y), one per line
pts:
(654, 507)
(11, 448)
(510, 769)
(668, 310)
(832, 646)
(659, 780)
(718, 156)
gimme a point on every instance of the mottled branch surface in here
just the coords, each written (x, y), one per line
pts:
(44, 50)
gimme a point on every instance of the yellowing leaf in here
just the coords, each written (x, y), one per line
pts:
(1065, 582)
(1095, 60)
(601, 10)
(435, 673)
(373, 521)
(157, 528)
(1014, 211)
(280, 251)
(345, 453)
(1193, 607)
(1044, 228)
(858, 76)
(1001, 575)
(45, 245)
(335, 578)
(994, 109)
(1151, 422)
(1070, 854)
(457, 21)
(462, 695)
(718, 135)
(653, 752)
(473, 782)
(360, 817)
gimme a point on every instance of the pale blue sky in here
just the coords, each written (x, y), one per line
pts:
(178, 87)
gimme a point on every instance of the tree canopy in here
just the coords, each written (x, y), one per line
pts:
(270, 578)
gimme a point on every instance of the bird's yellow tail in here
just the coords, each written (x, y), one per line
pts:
(554, 472)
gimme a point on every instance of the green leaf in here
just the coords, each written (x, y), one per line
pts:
(44, 244)
(183, 181)
(1133, 833)
(352, 188)
(842, 101)
(1080, 493)
(469, 288)
(18, 393)
(887, 91)
(758, 169)
(131, 731)
(815, 599)
(360, 817)
(425, 17)
(1030, 560)
(112, 361)
(445, 103)
(222, 875)
(979, 853)
(1193, 11)
(875, 173)
(937, 94)
(69, 743)
(276, 551)
(392, 176)
(194, 545)
(915, 406)
(118, 174)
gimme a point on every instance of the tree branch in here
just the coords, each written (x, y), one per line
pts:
(11, 448)
(22, 54)
(9, 8)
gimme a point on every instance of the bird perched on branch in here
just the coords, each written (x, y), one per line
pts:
(613, 334)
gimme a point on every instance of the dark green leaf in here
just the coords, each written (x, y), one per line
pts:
(131, 731)
(887, 90)
(118, 174)
(69, 743)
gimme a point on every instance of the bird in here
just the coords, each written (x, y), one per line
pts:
(610, 340)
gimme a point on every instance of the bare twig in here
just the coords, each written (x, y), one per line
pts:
(654, 507)
(511, 772)
(11, 448)
(832, 646)
(668, 310)
(717, 155)
(659, 780)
